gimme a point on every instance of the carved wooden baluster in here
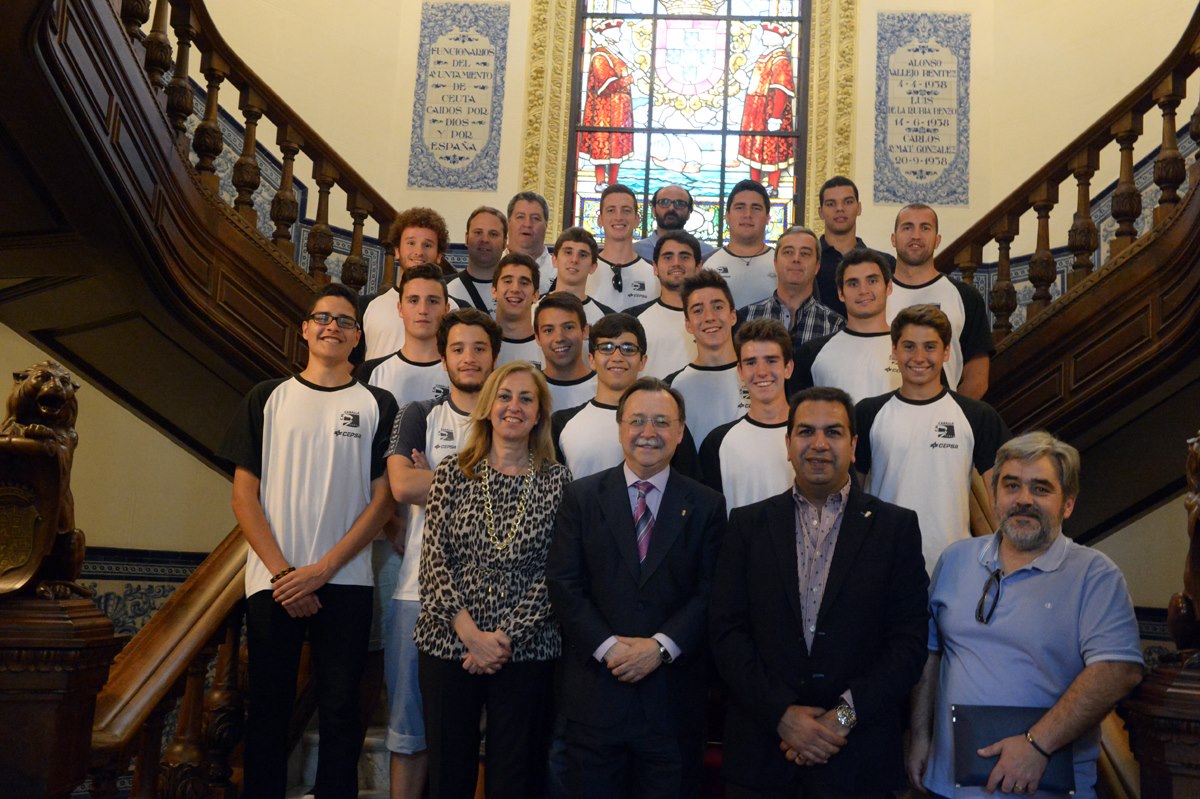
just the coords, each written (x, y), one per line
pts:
(1082, 237)
(1169, 167)
(224, 719)
(285, 208)
(320, 238)
(134, 14)
(246, 177)
(1003, 295)
(1126, 199)
(1042, 271)
(1194, 125)
(209, 141)
(354, 268)
(158, 46)
(181, 774)
(388, 278)
(145, 774)
(968, 259)
(179, 90)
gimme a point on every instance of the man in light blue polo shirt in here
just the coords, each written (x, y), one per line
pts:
(1025, 618)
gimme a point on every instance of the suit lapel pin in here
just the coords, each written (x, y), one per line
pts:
(683, 512)
(866, 514)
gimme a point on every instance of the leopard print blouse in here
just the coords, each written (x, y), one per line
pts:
(462, 568)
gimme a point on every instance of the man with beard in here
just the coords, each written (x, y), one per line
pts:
(858, 359)
(917, 445)
(528, 216)
(1053, 633)
(672, 206)
(676, 258)
(425, 432)
(918, 282)
(487, 230)
(839, 209)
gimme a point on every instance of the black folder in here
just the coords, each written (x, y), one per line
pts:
(977, 726)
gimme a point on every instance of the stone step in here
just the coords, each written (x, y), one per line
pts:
(372, 766)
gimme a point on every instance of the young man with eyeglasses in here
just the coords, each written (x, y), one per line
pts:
(676, 258)
(710, 383)
(672, 206)
(310, 492)
(1025, 619)
(585, 436)
(629, 574)
(917, 445)
(817, 623)
(624, 278)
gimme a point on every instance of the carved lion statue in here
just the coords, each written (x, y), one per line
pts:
(43, 406)
(1182, 614)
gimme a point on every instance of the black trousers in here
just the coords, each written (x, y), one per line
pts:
(338, 640)
(518, 700)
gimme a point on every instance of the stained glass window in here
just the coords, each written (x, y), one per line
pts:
(702, 93)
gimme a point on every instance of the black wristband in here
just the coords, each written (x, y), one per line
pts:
(1034, 744)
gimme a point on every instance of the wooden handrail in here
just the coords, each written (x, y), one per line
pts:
(1121, 124)
(150, 667)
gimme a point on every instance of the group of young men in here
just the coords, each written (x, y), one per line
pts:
(725, 393)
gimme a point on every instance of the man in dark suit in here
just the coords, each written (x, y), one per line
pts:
(630, 572)
(818, 624)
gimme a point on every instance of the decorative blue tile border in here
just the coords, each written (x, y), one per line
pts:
(459, 101)
(922, 108)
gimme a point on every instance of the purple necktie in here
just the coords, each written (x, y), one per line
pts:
(643, 519)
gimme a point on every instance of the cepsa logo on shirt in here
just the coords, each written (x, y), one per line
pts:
(349, 419)
(943, 430)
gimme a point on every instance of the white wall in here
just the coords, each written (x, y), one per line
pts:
(1150, 552)
(133, 486)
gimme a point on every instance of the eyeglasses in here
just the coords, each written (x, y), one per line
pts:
(618, 283)
(659, 422)
(679, 205)
(344, 321)
(609, 347)
(990, 597)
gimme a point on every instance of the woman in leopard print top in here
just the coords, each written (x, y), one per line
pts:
(485, 632)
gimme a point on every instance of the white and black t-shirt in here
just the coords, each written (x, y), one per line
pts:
(436, 428)
(520, 349)
(408, 381)
(860, 364)
(639, 284)
(713, 395)
(747, 461)
(571, 393)
(963, 304)
(587, 439)
(315, 451)
(669, 347)
(919, 454)
(593, 310)
(750, 279)
(471, 292)
(383, 329)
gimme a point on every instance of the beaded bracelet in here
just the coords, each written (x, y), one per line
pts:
(282, 574)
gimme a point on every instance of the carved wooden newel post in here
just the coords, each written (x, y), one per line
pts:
(1163, 714)
(55, 645)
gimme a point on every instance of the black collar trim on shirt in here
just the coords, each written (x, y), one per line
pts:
(315, 387)
(721, 368)
(455, 408)
(659, 301)
(621, 266)
(855, 333)
(410, 362)
(904, 285)
(929, 401)
(732, 254)
(765, 425)
(517, 340)
(574, 382)
(600, 404)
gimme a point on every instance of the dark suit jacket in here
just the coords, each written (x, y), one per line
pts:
(598, 589)
(871, 636)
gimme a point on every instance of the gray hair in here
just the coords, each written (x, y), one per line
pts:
(1032, 446)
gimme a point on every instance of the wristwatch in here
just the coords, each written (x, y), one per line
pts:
(846, 715)
(664, 654)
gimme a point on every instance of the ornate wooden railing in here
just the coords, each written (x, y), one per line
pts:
(166, 664)
(180, 25)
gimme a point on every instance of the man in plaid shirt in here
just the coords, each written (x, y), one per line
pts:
(797, 259)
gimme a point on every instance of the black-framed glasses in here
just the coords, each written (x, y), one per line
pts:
(990, 597)
(609, 347)
(678, 205)
(344, 321)
(618, 282)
